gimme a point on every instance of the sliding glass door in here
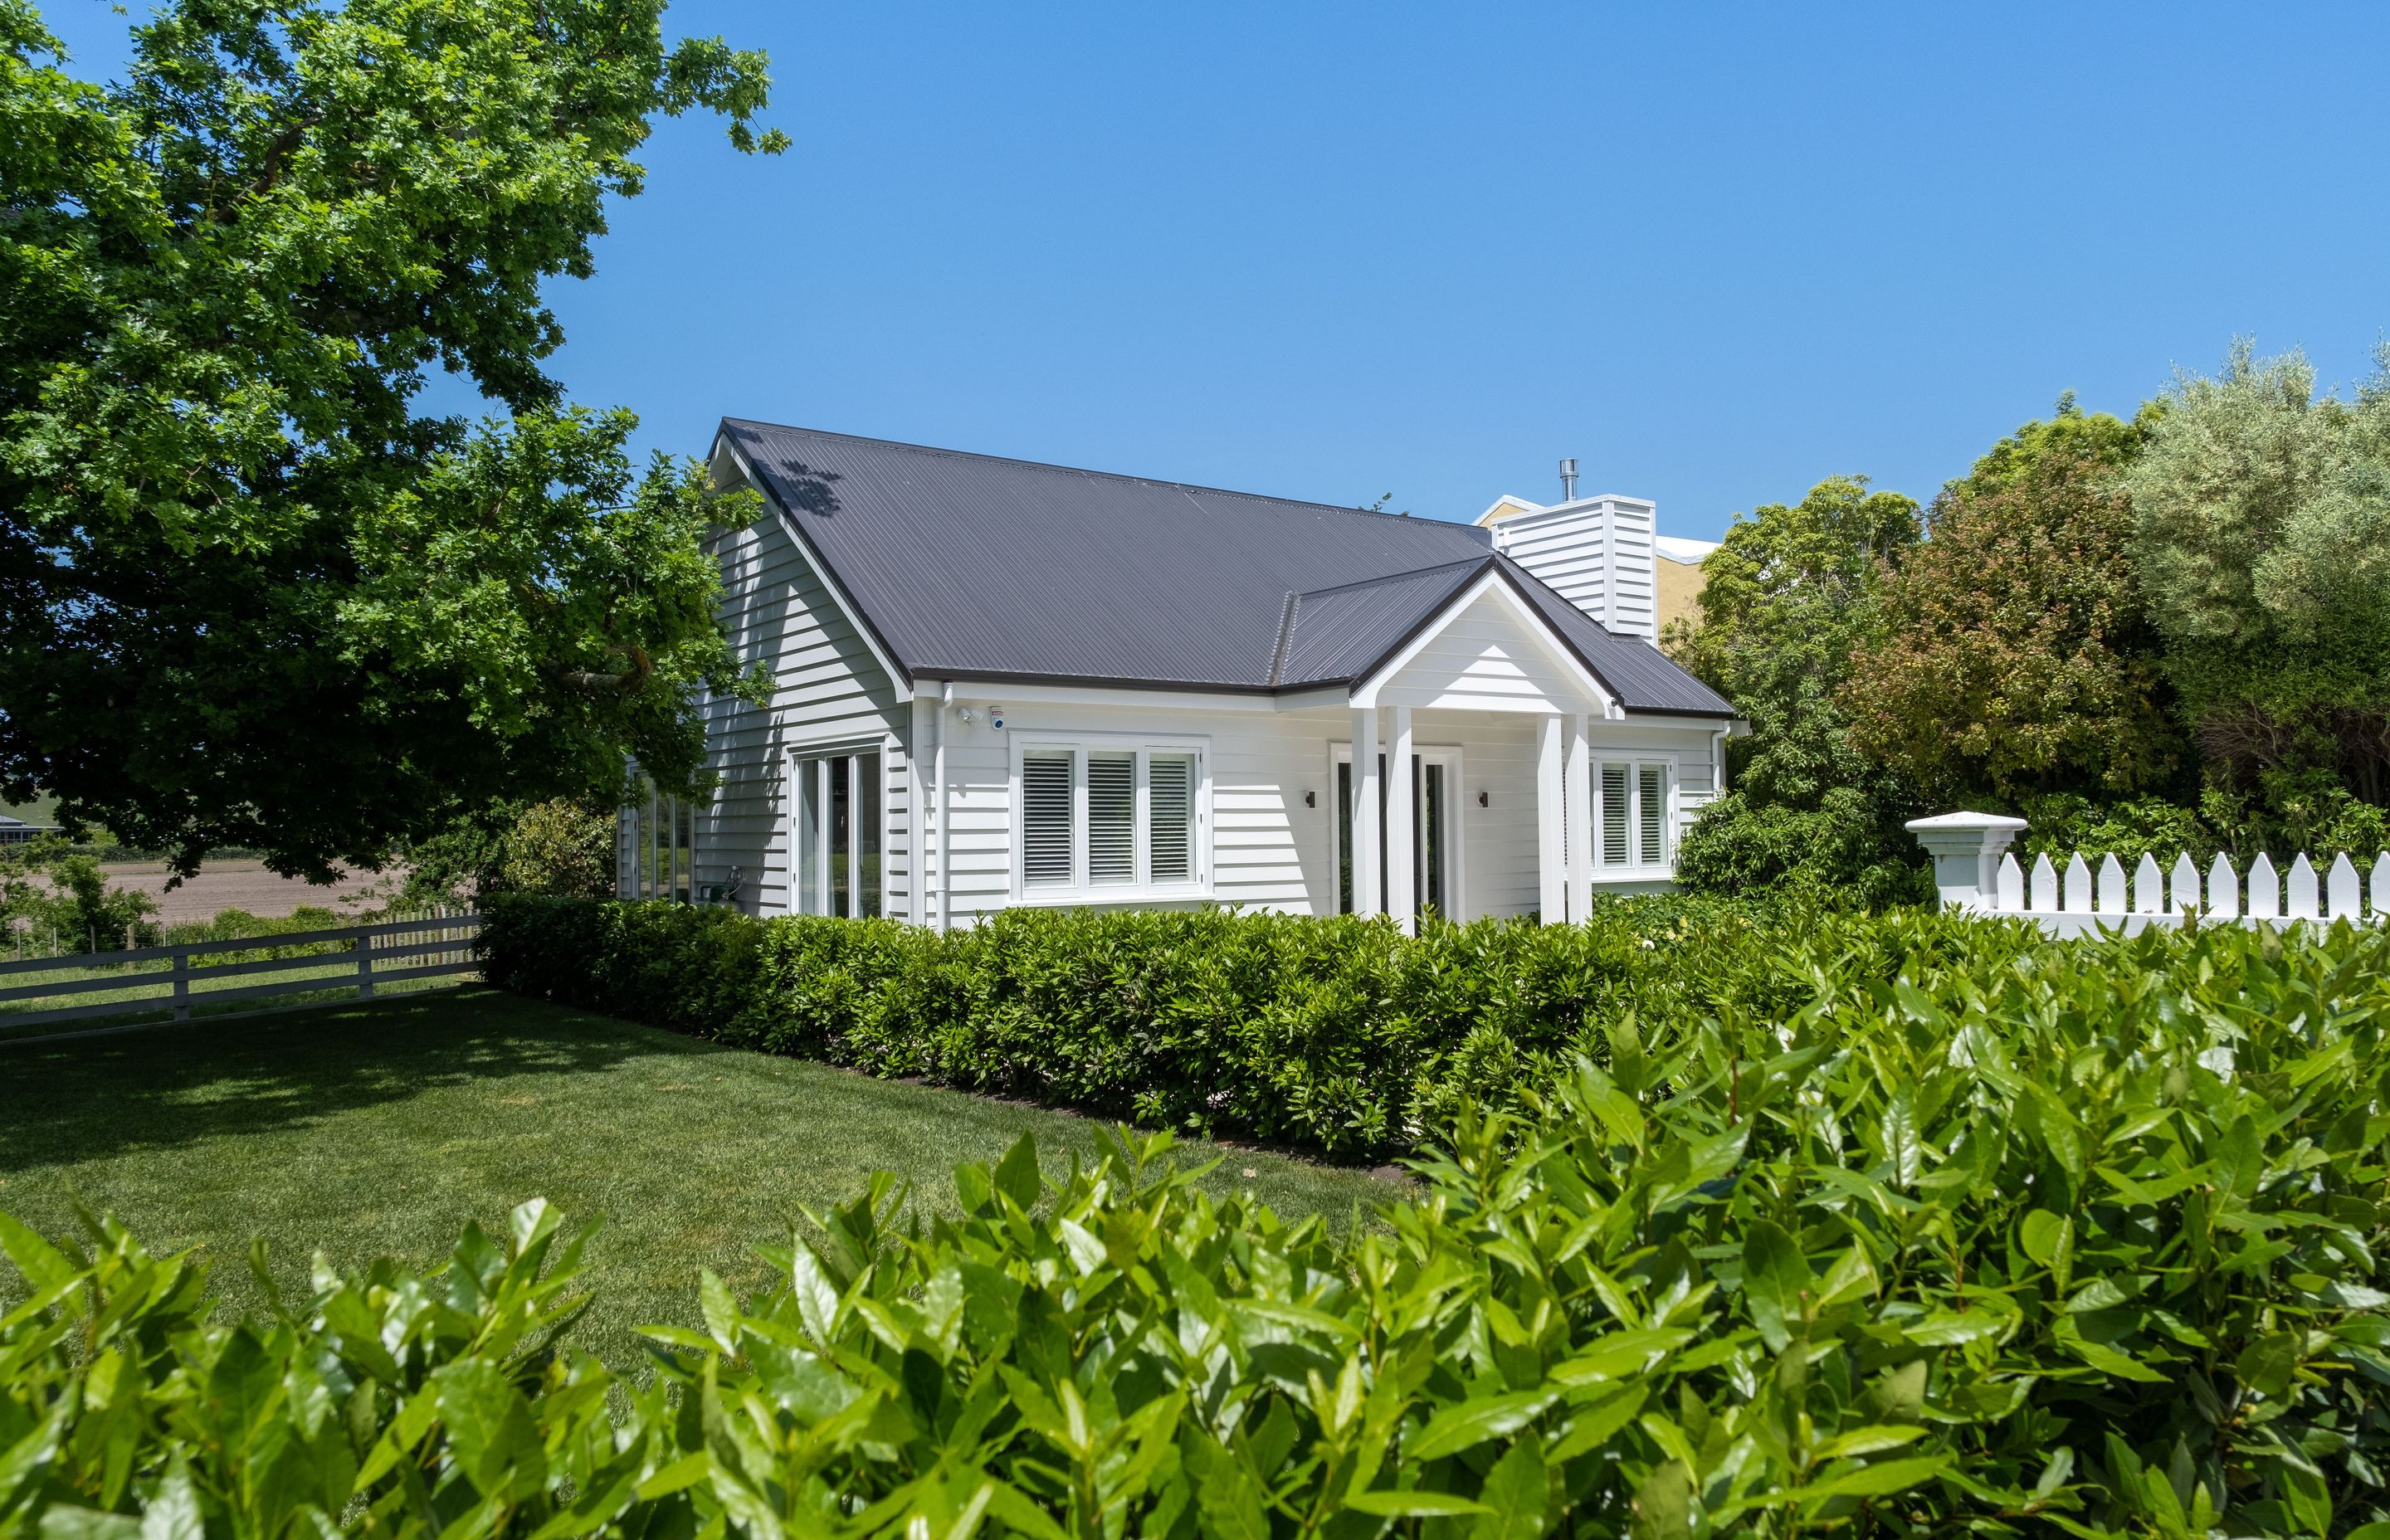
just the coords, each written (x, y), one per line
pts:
(837, 835)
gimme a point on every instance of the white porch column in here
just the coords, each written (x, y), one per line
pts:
(1551, 846)
(1366, 854)
(1577, 800)
(1402, 833)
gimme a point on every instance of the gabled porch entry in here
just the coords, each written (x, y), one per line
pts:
(1603, 813)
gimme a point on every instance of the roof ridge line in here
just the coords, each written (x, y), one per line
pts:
(1394, 577)
(1083, 470)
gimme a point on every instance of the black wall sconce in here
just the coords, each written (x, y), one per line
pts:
(1311, 798)
(1482, 799)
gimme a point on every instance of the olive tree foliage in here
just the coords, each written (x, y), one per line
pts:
(1786, 599)
(2015, 661)
(2261, 533)
(250, 594)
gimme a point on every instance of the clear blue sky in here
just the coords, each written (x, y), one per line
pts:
(1716, 252)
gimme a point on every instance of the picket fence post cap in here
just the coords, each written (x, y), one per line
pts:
(1958, 835)
(1953, 822)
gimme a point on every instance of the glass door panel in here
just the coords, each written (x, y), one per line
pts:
(841, 840)
(867, 836)
(1431, 833)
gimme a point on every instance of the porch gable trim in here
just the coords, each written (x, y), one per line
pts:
(1497, 584)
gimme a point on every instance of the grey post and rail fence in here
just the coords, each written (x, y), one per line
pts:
(153, 985)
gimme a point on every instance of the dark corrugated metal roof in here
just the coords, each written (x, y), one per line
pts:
(972, 566)
(1642, 676)
(1337, 632)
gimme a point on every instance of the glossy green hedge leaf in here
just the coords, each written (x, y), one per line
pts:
(1877, 1480)
(1873, 1439)
(2049, 1240)
(1227, 1497)
(1516, 1495)
(1903, 1149)
(1017, 1176)
(1411, 1503)
(1470, 1423)
(45, 1267)
(2268, 1364)
(1775, 1277)
(1662, 1506)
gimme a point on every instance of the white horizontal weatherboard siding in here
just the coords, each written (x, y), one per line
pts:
(1596, 553)
(828, 690)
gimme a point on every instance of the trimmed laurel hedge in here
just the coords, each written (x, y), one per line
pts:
(1336, 1034)
(2081, 1239)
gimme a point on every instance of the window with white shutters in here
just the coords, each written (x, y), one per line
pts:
(1111, 818)
(1630, 813)
(1171, 811)
(1650, 812)
(1108, 819)
(1613, 819)
(1046, 820)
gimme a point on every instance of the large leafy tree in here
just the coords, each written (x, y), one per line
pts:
(249, 591)
(2014, 660)
(2261, 530)
(1785, 601)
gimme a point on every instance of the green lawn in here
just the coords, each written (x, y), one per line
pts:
(377, 1129)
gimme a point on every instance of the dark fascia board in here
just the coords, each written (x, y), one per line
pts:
(957, 674)
(1694, 712)
(861, 617)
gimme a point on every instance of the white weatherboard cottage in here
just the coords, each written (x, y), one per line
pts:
(1003, 684)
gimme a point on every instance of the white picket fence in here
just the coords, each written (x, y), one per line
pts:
(1975, 870)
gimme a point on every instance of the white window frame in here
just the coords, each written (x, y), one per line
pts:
(1636, 868)
(816, 759)
(1454, 828)
(1079, 891)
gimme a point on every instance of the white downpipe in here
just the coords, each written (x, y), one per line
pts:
(917, 819)
(941, 912)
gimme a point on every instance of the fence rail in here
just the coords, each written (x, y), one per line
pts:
(1975, 870)
(172, 981)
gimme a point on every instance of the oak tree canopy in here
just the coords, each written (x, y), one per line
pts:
(251, 592)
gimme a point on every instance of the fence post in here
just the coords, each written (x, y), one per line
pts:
(1967, 848)
(182, 983)
(364, 965)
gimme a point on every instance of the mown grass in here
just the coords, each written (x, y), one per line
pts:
(380, 1129)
